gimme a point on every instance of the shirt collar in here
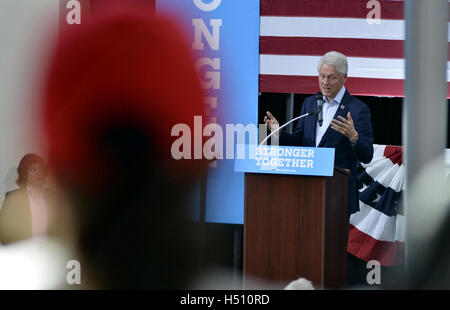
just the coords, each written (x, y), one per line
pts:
(338, 98)
(41, 194)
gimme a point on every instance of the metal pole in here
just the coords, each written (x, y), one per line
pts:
(424, 109)
(290, 111)
(237, 257)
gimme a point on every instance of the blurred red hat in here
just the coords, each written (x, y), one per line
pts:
(121, 64)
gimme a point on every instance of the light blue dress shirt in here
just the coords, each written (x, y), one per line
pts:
(329, 110)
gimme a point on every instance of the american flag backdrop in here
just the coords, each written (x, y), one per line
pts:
(295, 33)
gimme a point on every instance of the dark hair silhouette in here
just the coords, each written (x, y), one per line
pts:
(25, 163)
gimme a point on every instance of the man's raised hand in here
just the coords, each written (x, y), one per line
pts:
(270, 121)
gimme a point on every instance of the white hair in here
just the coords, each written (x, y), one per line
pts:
(300, 284)
(335, 59)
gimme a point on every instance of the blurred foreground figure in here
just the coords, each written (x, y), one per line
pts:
(429, 263)
(115, 88)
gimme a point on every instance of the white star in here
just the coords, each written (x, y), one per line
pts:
(378, 198)
(364, 186)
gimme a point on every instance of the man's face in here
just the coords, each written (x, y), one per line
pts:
(330, 81)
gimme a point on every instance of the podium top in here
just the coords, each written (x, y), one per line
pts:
(285, 160)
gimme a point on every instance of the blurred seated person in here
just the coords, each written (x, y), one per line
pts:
(26, 211)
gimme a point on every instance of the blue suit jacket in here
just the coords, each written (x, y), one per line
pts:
(346, 155)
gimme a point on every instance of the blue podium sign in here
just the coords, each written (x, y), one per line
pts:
(284, 160)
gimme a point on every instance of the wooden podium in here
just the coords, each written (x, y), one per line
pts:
(296, 226)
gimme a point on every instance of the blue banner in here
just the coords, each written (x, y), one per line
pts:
(285, 160)
(225, 36)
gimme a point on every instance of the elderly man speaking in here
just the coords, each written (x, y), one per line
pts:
(346, 122)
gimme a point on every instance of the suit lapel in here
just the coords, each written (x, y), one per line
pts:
(341, 111)
(312, 124)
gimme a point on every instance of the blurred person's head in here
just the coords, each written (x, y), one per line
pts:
(116, 86)
(32, 171)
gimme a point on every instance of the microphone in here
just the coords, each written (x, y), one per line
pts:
(279, 128)
(319, 110)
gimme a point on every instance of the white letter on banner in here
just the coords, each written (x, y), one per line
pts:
(207, 7)
(258, 161)
(212, 77)
(288, 152)
(212, 39)
(74, 16)
(212, 102)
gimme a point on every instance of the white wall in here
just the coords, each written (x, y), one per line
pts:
(25, 26)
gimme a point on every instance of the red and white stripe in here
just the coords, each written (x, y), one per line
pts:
(295, 33)
(373, 234)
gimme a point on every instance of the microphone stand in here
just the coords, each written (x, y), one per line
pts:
(279, 128)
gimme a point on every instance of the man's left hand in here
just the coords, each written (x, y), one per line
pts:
(345, 127)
